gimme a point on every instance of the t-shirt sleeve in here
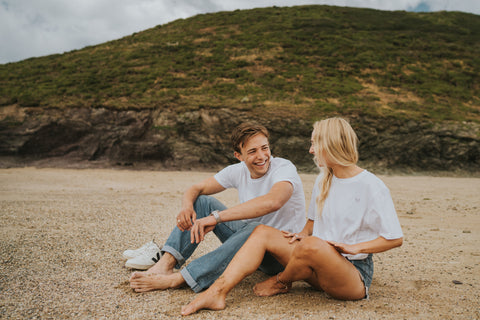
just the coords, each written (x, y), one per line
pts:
(228, 176)
(384, 216)
(286, 172)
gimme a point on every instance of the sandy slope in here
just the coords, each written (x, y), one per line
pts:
(63, 231)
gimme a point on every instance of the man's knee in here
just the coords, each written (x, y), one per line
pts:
(202, 200)
(204, 205)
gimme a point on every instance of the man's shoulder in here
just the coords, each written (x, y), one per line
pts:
(282, 162)
(230, 176)
(235, 166)
(283, 167)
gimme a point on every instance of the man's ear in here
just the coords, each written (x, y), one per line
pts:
(238, 156)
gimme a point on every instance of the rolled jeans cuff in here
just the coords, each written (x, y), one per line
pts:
(190, 281)
(180, 259)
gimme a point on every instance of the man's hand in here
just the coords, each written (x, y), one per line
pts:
(186, 218)
(294, 236)
(201, 227)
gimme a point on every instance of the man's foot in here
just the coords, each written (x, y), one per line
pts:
(271, 287)
(148, 281)
(212, 299)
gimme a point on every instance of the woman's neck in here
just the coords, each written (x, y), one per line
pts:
(343, 172)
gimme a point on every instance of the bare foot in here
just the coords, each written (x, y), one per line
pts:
(165, 265)
(212, 299)
(147, 281)
(270, 287)
(160, 269)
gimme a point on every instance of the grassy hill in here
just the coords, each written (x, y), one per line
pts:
(169, 96)
(304, 61)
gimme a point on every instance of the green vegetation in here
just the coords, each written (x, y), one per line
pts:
(310, 60)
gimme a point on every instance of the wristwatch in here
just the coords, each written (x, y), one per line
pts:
(216, 215)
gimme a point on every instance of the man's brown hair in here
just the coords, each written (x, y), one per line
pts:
(245, 131)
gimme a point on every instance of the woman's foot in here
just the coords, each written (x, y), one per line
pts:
(212, 299)
(147, 281)
(271, 287)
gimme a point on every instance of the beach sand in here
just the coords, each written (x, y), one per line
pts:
(63, 232)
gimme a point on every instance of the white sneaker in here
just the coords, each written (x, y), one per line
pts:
(144, 261)
(131, 253)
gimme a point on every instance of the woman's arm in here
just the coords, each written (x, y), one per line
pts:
(374, 246)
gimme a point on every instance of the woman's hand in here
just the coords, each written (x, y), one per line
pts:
(344, 248)
(294, 236)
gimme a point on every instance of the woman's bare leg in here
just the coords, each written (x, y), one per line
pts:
(246, 261)
(318, 263)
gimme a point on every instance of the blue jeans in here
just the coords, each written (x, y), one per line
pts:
(200, 273)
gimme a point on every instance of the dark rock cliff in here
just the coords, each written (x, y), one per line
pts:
(200, 139)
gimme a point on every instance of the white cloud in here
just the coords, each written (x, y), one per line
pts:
(31, 28)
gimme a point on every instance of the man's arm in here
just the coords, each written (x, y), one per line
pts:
(262, 205)
(257, 207)
(187, 215)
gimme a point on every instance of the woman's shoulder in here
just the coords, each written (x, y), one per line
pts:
(373, 181)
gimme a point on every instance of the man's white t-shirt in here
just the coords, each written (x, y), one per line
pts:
(291, 217)
(357, 209)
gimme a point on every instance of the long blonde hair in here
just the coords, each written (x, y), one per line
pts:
(335, 140)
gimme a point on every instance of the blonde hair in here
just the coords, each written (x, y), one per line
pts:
(335, 140)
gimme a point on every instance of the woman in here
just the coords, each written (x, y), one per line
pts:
(351, 216)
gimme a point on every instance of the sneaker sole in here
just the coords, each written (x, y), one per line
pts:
(138, 266)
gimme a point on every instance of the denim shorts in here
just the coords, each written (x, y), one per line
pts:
(365, 267)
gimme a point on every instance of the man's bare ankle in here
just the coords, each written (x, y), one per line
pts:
(168, 260)
(166, 264)
(178, 280)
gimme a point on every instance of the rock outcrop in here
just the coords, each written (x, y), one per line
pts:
(201, 139)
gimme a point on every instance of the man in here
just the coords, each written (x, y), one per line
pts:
(270, 192)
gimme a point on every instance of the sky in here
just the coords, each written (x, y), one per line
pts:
(32, 28)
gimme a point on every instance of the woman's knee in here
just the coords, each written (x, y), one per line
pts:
(311, 246)
(262, 231)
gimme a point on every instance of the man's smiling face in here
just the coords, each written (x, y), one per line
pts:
(255, 152)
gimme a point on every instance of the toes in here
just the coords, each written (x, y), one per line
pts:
(189, 309)
(185, 311)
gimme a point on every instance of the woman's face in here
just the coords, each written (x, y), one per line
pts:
(316, 159)
(312, 149)
(320, 159)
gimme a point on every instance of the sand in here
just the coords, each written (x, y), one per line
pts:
(63, 232)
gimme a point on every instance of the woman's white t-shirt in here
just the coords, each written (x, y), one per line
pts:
(357, 209)
(290, 217)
